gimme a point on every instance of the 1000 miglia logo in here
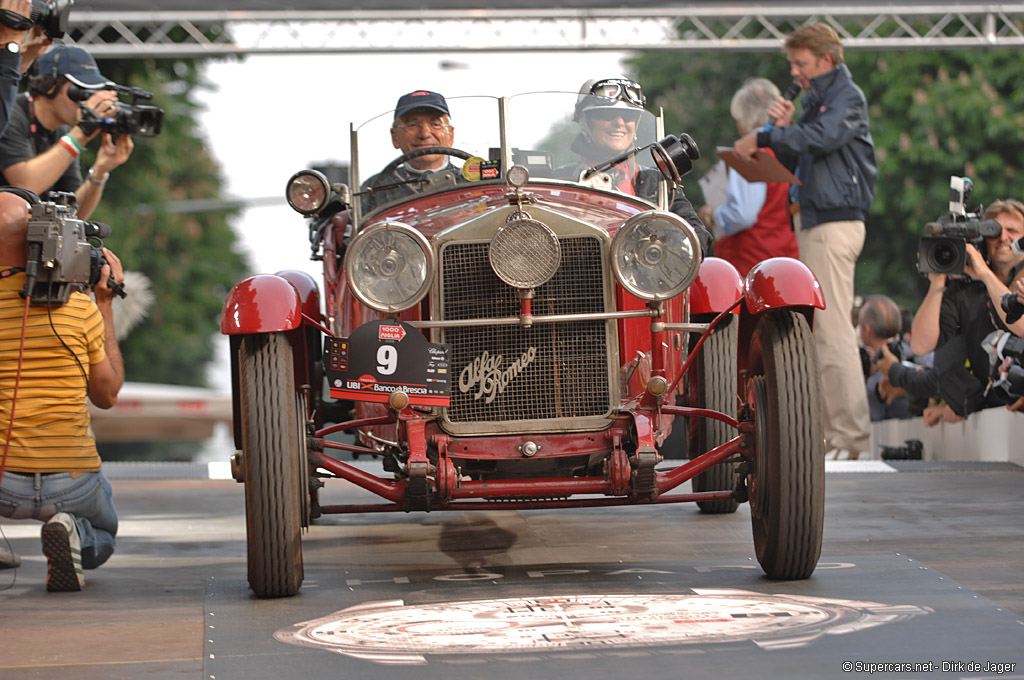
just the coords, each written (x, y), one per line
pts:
(488, 375)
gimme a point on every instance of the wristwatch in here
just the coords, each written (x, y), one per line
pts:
(95, 180)
(13, 47)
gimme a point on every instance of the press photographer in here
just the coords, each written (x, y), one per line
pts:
(1006, 354)
(959, 311)
(50, 470)
(880, 326)
(69, 103)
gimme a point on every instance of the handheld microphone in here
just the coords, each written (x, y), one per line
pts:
(789, 95)
(98, 230)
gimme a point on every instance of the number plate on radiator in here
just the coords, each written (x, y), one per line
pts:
(383, 357)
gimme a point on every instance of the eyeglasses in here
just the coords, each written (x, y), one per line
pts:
(619, 88)
(433, 124)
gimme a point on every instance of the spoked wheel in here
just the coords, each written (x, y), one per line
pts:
(713, 386)
(273, 444)
(787, 487)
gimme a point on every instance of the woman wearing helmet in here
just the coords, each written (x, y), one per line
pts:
(607, 112)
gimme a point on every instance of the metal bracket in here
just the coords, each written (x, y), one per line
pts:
(645, 479)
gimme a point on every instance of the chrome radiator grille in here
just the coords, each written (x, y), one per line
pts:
(510, 373)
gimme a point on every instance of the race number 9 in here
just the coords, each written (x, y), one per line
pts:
(387, 359)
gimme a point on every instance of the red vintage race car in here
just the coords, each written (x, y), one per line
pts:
(516, 333)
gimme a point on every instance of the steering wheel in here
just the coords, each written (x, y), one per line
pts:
(425, 151)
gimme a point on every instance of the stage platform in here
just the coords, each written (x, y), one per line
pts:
(922, 573)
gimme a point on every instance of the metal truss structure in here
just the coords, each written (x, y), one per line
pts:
(698, 26)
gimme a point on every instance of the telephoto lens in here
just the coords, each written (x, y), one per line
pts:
(1014, 310)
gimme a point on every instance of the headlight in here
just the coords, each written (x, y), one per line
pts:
(389, 266)
(655, 255)
(307, 191)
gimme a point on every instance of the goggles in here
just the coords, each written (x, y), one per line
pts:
(619, 88)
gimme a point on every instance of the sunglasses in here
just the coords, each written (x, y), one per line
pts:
(619, 88)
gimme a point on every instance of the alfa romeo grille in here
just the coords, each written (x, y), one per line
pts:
(509, 373)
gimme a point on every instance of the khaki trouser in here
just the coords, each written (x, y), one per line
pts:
(831, 251)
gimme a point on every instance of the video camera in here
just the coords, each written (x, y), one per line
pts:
(61, 256)
(51, 16)
(130, 119)
(944, 249)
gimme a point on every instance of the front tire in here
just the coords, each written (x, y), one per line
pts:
(787, 488)
(273, 452)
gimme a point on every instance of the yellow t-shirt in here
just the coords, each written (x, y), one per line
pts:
(51, 423)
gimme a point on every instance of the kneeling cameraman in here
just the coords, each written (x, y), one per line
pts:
(50, 469)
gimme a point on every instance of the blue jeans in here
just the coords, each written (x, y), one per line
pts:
(88, 497)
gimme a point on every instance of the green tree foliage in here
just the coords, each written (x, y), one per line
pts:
(191, 257)
(933, 114)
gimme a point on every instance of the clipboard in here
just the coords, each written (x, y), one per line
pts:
(715, 185)
(762, 168)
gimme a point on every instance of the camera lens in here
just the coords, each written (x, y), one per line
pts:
(943, 256)
(894, 453)
(1013, 309)
(52, 16)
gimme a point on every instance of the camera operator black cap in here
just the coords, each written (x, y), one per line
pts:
(420, 99)
(72, 63)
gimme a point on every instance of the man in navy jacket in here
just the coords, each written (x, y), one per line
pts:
(831, 149)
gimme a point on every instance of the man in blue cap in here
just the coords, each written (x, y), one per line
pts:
(421, 120)
(39, 149)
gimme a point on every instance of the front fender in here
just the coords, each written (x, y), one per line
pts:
(774, 284)
(718, 285)
(264, 303)
(781, 282)
(309, 292)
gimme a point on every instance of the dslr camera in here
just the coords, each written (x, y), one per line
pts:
(895, 346)
(944, 249)
(64, 252)
(1006, 352)
(51, 16)
(912, 449)
(133, 119)
(1013, 309)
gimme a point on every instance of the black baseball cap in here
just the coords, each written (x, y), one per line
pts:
(420, 99)
(73, 63)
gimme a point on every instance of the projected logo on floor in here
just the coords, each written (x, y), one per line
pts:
(396, 633)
